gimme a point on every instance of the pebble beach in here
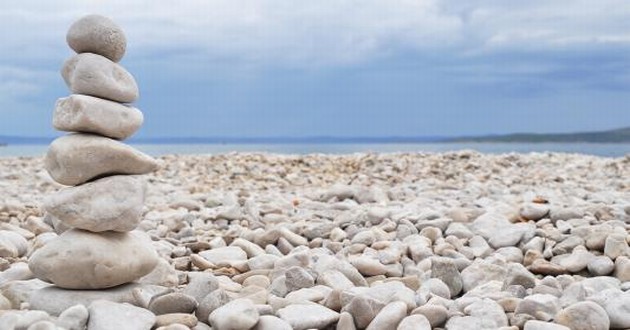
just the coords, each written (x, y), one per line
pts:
(458, 240)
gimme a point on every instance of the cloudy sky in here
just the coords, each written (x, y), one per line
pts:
(337, 67)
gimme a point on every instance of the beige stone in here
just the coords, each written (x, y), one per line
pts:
(88, 114)
(97, 34)
(77, 158)
(81, 259)
(112, 203)
(95, 75)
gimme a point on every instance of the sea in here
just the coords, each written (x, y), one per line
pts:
(597, 149)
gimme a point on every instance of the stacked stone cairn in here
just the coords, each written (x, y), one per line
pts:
(99, 212)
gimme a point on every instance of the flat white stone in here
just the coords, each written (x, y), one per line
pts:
(80, 259)
(77, 158)
(106, 315)
(112, 203)
(96, 75)
(88, 114)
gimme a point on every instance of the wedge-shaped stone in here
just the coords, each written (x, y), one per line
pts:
(77, 158)
(80, 259)
(112, 203)
(82, 113)
(95, 75)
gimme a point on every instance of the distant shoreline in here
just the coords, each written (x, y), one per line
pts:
(621, 136)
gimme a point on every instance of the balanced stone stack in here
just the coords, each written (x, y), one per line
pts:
(105, 203)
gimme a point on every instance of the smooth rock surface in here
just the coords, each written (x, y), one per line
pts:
(88, 114)
(99, 261)
(95, 75)
(113, 203)
(585, 315)
(107, 315)
(239, 314)
(302, 317)
(97, 34)
(76, 158)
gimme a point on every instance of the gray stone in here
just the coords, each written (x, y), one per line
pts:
(56, 300)
(616, 246)
(517, 274)
(363, 310)
(302, 317)
(95, 75)
(12, 244)
(585, 315)
(74, 318)
(225, 255)
(435, 314)
(464, 323)
(414, 322)
(77, 158)
(541, 306)
(297, 278)
(113, 203)
(88, 114)
(174, 302)
(490, 313)
(107, 315)
(97, 34)
(389, 317)
(617, 306)
(269, 322)
(540, 325)
(346, 322)
(600, 266)
(239, 314)
(210, 303)
(622, 269)
(534, 211)
(99, 260)
(481, 272)
(20, 291)
(200, 284)
(446, 270)
(187, 320)
(163, 274)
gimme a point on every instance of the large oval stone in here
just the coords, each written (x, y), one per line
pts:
(95, 75)
(97, 34)
(111, 203)
(80, 259)
(82, 113)
(77, 158)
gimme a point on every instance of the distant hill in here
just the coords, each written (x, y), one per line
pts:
(621, 135)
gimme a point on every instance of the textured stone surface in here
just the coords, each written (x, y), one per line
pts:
(112, 203)
(107, 315)
(97, 34)
(239, 314)
(76, 158)
(98, 261)
(585, 315)
(88, 114)
(95, 75)
(302, 317)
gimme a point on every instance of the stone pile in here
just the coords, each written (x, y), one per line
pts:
(98, 214)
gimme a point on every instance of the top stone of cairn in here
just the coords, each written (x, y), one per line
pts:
(99, 35)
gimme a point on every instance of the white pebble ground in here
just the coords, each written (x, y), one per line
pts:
(379, 241)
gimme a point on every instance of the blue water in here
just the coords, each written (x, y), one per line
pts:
(599, 149)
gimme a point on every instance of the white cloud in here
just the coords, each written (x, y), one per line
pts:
(325, 32)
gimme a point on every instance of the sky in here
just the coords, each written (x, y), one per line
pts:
(369, 68)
